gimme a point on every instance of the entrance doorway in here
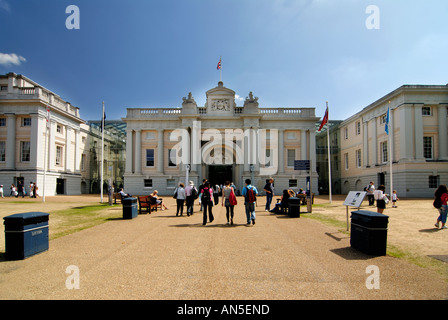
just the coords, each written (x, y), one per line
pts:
(60, 186)
(219, 174)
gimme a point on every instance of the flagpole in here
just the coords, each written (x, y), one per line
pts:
(102, 153)
(329, 155)
(45, 154)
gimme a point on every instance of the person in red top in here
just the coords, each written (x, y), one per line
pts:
(442, 193)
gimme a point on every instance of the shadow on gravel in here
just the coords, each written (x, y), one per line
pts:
(349, 253)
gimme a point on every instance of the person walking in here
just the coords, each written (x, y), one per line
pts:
(20, 190)
(207, 203)
(191, 193)
(269, 189)
(216, 190)
(441, 197)
(180, 199)
(250, 197)
(1, 191)
(226, 193)
(200, 192)
(381, 199)
(370, 190)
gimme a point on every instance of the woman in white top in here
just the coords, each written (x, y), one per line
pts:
(380, 198)
(180, 199)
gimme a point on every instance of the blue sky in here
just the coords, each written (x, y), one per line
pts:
(289, 53)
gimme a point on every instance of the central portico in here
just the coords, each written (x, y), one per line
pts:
(219, 141)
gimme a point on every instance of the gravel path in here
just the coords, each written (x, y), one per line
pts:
(161, 256)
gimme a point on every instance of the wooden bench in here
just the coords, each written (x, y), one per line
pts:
(117, 196)
(147, 203)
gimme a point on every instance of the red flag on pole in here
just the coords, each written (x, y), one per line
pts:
(324, 120)
(219, 64)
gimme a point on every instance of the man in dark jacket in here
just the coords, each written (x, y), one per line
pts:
(269, 189)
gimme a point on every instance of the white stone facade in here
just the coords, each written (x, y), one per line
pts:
(418, 139)
(219, 141)
(23, 123)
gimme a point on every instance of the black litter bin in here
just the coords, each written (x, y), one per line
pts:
(294, 207)
(369, 232)
(26, 234)
(130, 208)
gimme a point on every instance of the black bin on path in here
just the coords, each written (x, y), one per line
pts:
(369, 232)
(130, 208)
(294, 207)
(26, 234)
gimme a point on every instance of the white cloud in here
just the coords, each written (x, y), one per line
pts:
(237, 97)
(5, 6)
(7, 59)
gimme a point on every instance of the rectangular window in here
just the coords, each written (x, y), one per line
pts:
(26, 122)
(358, 128)
(2, 151)
(170, 183)
(2, 122)
(83, 162)
(150, 157)
(346, 133)
(291, 157)
(58, 128)
(346, 160)
(358, 158)
(383, 118)
(434, 182)
(172, 157)
(427, 147)
(267, 160)
(426, 111)
(3, 88)
(58, 155)
(293, 183)
(383, 149)
(147, 183)
(25, 151)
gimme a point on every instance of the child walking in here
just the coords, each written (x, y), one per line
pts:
(394, 199)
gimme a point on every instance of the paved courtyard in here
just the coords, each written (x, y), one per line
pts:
(161, 256)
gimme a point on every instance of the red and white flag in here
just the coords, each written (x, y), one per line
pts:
(219, 65)
(324, 120)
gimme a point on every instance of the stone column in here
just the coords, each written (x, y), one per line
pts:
(418, 132)
(365, 133)
(138, 151)
(303, 145)
(129, 155)
(11, 141)
(77, 152)
(160, 151)
(443, 134)
(68, 148)
(375, 142)
(52, 146)
(281, 151)
(406, 133)
(312, 150)
(36, 152)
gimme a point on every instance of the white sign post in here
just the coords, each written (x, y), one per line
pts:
(354, 199)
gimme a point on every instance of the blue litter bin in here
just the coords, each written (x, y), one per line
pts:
(26, 234)
(130, 208)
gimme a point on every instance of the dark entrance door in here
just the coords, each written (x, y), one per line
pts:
(220, 174)
(60, 186)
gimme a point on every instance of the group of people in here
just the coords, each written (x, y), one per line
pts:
(379, 195)
(20, 190)
(209, 196)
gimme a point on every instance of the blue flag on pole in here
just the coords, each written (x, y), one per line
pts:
(386, 127)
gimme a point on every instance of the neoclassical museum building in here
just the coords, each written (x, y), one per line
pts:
(219, 141)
